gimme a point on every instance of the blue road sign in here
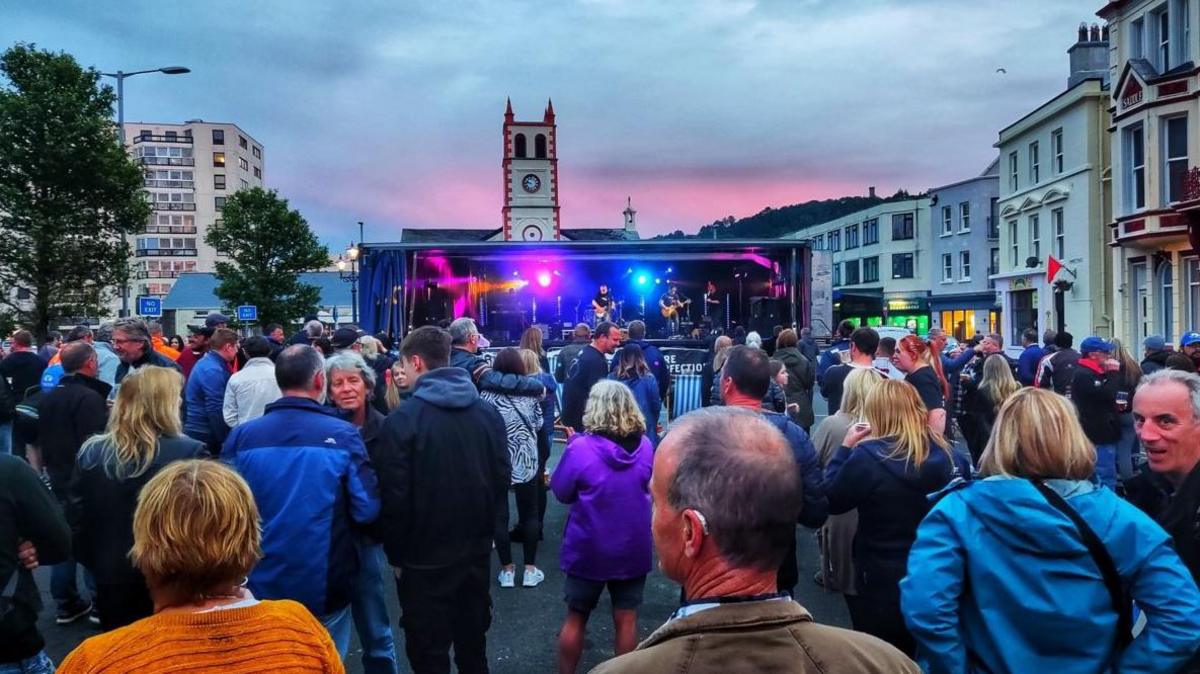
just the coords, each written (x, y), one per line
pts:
(150, 306)
(247, 312)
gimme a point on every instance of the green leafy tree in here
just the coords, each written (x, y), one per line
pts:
(68, 191)
(268, 246)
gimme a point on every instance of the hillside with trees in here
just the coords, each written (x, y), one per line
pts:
(773, 223)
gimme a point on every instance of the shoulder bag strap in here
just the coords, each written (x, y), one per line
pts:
(1108, 569)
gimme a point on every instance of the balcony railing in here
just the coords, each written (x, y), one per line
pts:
(167, 161)
(169, 229)
(165, 252)
(176, 184)
(173, 205)
(186, 140)
(158, 274)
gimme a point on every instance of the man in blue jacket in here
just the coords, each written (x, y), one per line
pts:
(1031, 357)
(745, 379)
(464, 353)
(204, 394)
(654, 357)
(590, 367)
(833, 355)
(311, 479)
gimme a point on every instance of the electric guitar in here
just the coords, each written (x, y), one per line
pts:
(669, 311)
(604, 313)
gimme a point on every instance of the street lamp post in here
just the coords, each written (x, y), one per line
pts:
(120, 76)
(350, 274)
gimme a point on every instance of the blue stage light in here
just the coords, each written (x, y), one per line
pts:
(642, 279)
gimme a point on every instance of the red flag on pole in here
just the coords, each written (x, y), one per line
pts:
(1052, 268)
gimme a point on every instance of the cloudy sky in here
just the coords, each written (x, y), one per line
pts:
(390, 111)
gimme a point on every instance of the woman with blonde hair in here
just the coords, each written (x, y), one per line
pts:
(604, 476)
(397, 390)
(144, 434)
(837, 535)
(1002, 572)
(545, 434)
(196, 536)
(984, 401)
(886, 467)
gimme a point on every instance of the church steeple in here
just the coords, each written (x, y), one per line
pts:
(508, 112)
(630, 215)
(548, 118)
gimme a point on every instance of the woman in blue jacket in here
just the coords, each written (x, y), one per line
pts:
(886, 468)
(633, 371)
(1000, 580)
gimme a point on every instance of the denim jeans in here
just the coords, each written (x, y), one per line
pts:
(338, 624)
(369, 607)
(6, 438)
(38, 664)
(1106, 465)
(63, 585)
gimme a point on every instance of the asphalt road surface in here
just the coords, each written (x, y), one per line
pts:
(525, 622)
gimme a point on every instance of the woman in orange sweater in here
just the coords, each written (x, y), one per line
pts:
(196, 536)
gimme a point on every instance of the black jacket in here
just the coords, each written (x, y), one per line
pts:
(68, 415)
(100, 506)
(801, 376)
(1153, 362)
(1061, 372)
(656, 363)
(1095, 397)
(1176, 510)
(487, 379)
(443, 472)
(566, 356)
(590, 367)
(23, 370)
(150, 357)
(27, 512)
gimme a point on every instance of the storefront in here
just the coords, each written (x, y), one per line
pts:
(963, 316)
(872, 309)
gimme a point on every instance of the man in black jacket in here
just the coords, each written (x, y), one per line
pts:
(444, 472)
(23, 369)
(1094, 390)
(131, 341)
(1166, 413)
(464, 353)
(1057, 370)
(28, 513)
(590, 367)
(579, 339)
(68, 415)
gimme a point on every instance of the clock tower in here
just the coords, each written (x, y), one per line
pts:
(530, 164)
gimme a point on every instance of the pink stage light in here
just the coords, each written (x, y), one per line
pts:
(543, 279)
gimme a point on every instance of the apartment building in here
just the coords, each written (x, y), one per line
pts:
(191, 169)
(966, 252)
(1155, 107)
(1054, 182)
(881, 265)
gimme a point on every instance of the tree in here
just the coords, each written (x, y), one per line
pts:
(68, 190)
(268, 246)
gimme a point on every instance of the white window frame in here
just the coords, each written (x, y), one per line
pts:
(1160, 39)
(1035, 164)
(1013, 179)
(964, 266)
(947, 268)
(1059, 227)
(1014, 248)
(875, 260)
(1056, 149)
(964, 217)
(1137, 37)
(947, 221)
(1191, 267)
(1135, 173)
(835, 240)
(1035, 236)
(1168, 160)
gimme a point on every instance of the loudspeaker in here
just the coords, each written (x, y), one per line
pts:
(765, 314)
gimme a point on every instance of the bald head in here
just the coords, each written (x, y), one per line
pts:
(737, 470)
(78, 358)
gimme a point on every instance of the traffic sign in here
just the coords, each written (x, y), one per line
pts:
(247, 313)
(150, 306)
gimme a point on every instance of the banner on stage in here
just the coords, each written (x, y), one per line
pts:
(684, 361)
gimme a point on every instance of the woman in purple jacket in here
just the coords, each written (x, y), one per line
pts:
(604, 476)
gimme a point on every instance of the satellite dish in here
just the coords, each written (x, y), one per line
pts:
(1001, 71)
(1032, 262)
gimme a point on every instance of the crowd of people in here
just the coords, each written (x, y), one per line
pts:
(236, 503)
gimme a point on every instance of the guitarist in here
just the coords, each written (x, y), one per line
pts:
(670, 304)
(602, 305)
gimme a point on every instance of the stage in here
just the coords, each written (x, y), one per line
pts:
(509, 286)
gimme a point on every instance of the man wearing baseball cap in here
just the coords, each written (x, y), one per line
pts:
(1155, 354)
(1190, 345)
(1094, 391)
(216, 320)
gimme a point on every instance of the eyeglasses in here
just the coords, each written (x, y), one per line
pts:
(118, 341)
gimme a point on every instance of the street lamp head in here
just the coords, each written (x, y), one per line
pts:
(174, 70)
(352, 252)
(341, 264)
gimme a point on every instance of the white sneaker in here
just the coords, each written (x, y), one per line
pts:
(507, 578)
(533, 578)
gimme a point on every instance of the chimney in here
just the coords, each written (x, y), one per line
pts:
(1089, 55)
(871, 191)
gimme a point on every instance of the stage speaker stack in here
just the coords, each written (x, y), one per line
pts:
(765, 314)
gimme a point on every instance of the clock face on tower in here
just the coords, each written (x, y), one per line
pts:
(531, 233)
(531, 183)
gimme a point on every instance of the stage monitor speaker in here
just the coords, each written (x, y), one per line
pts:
(765, 314)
